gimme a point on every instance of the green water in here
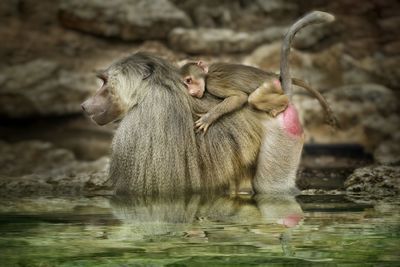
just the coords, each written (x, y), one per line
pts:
(200, 231)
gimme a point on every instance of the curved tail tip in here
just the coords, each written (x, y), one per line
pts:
(325, 16)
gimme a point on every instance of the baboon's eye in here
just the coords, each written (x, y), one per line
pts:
(188, 80)
(102, 76)
(148, 71)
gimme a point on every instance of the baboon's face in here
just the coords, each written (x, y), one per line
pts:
(105, 106)
(193, 76)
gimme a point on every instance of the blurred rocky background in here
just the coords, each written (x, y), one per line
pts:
(50, 49)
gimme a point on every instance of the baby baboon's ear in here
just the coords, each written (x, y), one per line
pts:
(203, 65)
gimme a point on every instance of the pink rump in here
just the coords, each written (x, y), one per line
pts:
(291, 122)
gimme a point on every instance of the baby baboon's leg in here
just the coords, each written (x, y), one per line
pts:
(269, 97)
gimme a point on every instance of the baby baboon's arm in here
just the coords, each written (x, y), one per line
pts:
(233, 100)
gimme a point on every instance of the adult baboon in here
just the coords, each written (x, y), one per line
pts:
(156, 150)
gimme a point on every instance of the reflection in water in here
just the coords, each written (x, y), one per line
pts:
(280, 209)
(149, 216)
(199, 230)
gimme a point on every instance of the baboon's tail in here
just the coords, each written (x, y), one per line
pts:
(310, 18)
(330, 116)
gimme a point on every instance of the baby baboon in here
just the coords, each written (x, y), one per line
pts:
(237, 84)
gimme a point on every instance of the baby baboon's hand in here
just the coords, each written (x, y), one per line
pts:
(203, 123)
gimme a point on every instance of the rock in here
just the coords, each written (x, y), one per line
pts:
(32, 11)
(277, 6)
(9, 8)
(311, 37)
(388, 152)
(321, 70)
(78, 134)
(372, 69)
(388, 68)
(204, 16)
(238, 15)
(392, 48)
(329, 68)
(124, 19)
(390, 25)
(34, 168)
(216, 41)
(375, 180)
(379, 128)
(321, 192)
(373, 98)
(387, 8)
(366, 114)
(361, 47)
(359, 71)
(267, 56)
(31, 157)
(41, 88)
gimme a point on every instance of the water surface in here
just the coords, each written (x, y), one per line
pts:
(200, 231)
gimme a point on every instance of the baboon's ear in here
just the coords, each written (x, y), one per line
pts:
(203, 65)
(148, 70)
